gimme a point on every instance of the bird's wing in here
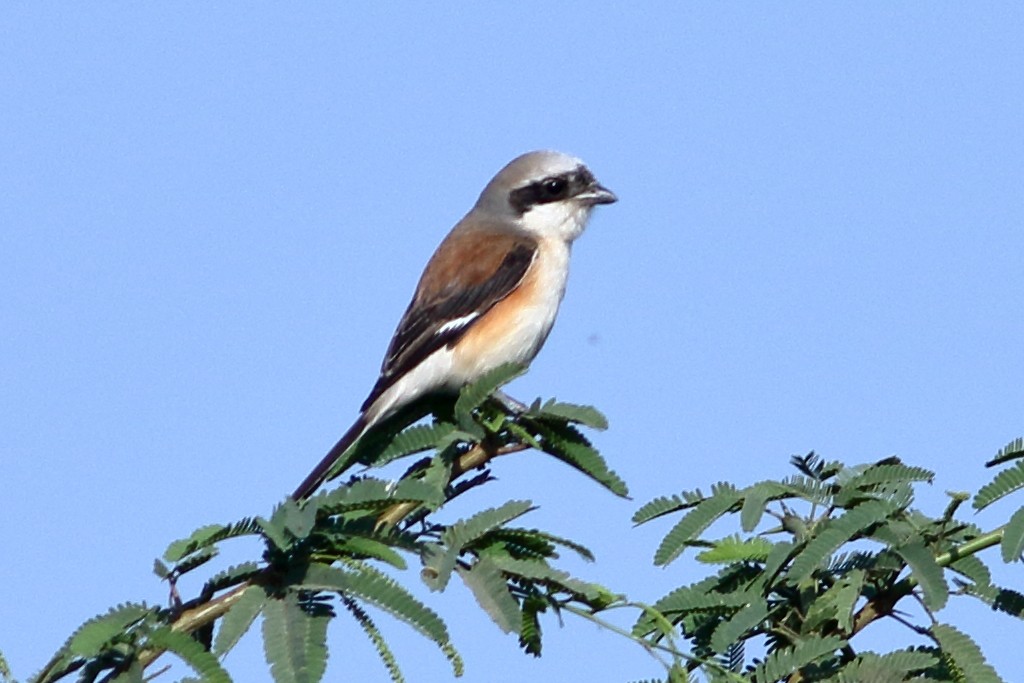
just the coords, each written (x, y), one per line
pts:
(468, 274)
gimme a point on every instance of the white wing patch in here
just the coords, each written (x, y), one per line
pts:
(458, 323)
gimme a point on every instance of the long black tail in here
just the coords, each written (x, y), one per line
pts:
(319, 474)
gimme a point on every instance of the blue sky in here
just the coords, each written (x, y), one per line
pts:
(211, 219)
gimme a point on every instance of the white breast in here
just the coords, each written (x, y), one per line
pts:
(513, 331)
(536, 318)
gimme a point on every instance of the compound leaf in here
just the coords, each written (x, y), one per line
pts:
(191, 652)
(491, 591)
(239, 619)
(966, 654)
(1013, 537)
(1004, 483)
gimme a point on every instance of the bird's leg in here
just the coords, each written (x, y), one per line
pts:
(512, 405)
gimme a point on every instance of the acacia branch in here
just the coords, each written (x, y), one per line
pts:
(475, 458)
(206, 612)
(883, 603)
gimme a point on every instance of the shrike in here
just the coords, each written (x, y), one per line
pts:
(489, 294)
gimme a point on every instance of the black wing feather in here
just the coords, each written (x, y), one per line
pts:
(420, 332)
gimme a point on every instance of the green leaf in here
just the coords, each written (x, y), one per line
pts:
(438, 565)
(438, 474)
(416, 439)
(1002, 599)
(782, 663)
(491, 592)
(888, 473)
(777, 558)
(61, 662)
(735, 628)
(92, 637)
(735, 549)
(439, 560)
(899, 529)
(1011, 451)
(196, 559)
(845, 562)
(568, 444)
(1009, 601)
(297, 519)
(371, 494)
(360, 547)
(376, 637)
(852, 523)
(518, 543)
(734, 656)
(755, 498)
(815, 467)
(869, 668)
(461, 534)
(231, 576)
(965, 653)
(5, 670)
(474, 394)
(1004, 483)
(523, 435)
(364, 582)
(836, 603)
(652, 623)
(809, 489)
(539, 571)
(973, 568)
(274, 531)
(199, 538)
(1013, 537)
(908, 661)
(698, 597)
(524, 536)
(529, 627)
(662, 505)
(208, 535)
(927, 573)
(585, 415)
(239, 619)
(723, 498)
(191, 652)
(290, 521)
(294, 641)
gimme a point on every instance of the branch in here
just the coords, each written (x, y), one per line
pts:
(475, 458)
(882, 604)
(205, 613)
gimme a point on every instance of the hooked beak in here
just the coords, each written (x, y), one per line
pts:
(597, 194)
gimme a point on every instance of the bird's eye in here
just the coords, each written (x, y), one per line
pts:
(554, 187)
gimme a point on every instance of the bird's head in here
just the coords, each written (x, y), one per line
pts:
(545, 193)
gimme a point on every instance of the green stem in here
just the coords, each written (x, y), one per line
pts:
(882, 604)
(971, 547)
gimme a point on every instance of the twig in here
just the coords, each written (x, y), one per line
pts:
(476, 457)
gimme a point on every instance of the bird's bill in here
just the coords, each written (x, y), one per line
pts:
(597, 194)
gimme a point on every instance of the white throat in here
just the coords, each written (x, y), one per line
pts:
(562, 220)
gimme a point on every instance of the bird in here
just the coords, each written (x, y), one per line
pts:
(490, 293)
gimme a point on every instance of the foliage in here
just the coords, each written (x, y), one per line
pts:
(327, 556)
(816, 558)
(5, 670)
(848, 549)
